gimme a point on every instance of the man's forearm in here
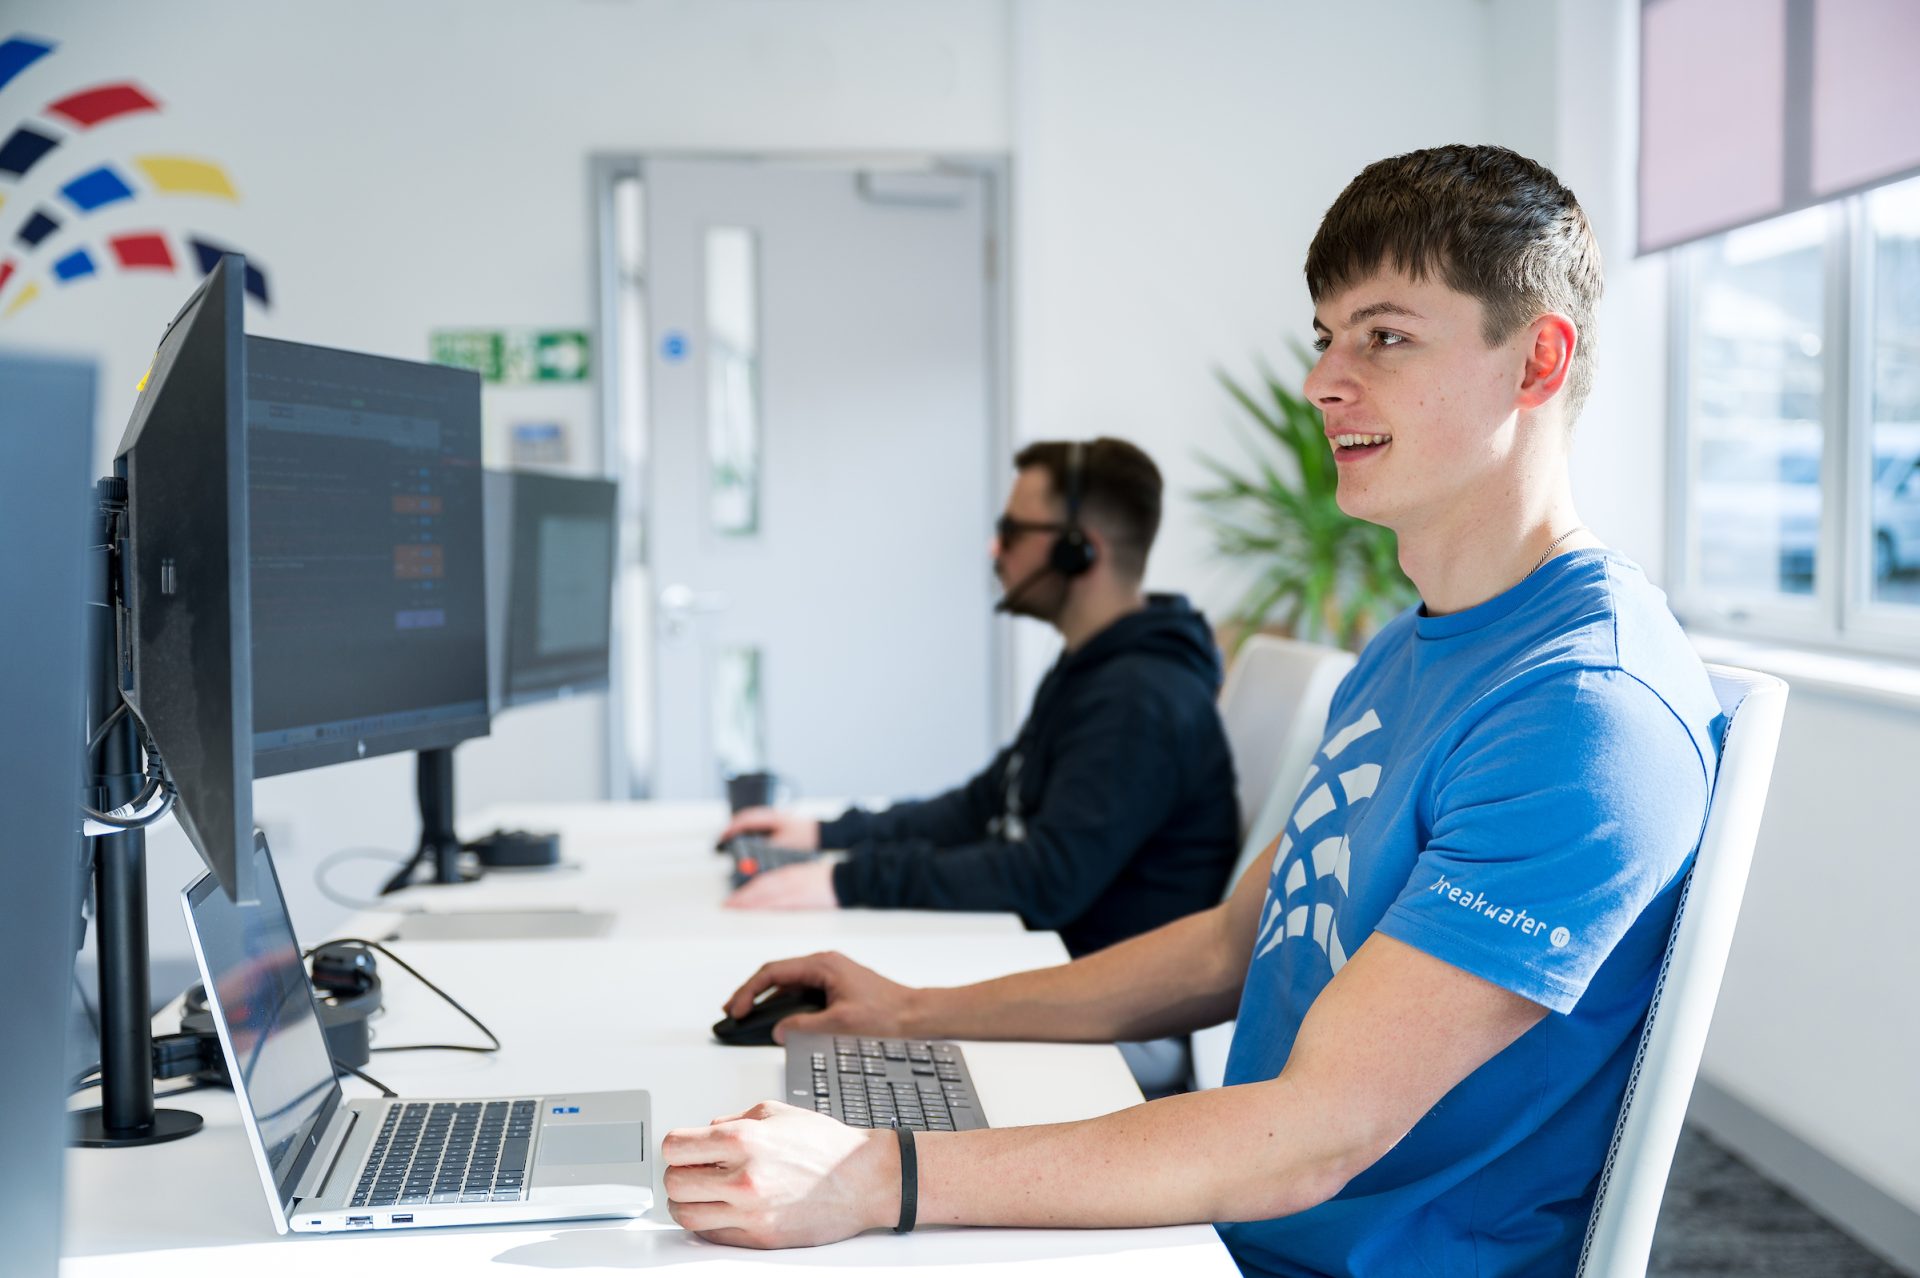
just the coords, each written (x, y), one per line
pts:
(1234, 1153)
(1170, 981)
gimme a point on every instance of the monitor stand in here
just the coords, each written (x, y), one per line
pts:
(126, 1115)
(439, 847)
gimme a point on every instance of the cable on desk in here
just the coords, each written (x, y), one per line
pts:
(365, 1077)
(384, 855)
(451, 1002)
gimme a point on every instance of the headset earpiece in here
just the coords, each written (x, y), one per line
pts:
(1072, 554)
(346, 994)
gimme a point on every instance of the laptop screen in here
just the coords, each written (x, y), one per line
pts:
(257, 989)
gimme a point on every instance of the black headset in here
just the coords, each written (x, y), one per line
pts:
(1072, 554)
(346, 994)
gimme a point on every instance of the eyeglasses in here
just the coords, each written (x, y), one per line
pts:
(1009, 530)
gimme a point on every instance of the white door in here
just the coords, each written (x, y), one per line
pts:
(823, 468)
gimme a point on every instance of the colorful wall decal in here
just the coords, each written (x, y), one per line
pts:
(74, 265)
(144, 249)
(57, 228)
(18, 53)
(184, 175)
(96, 189)
(96, 106)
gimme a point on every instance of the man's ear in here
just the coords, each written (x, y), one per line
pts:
(1550, 343)
(1097, 538)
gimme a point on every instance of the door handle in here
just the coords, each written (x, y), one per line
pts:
(680, 603)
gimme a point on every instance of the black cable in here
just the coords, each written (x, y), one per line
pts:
(451, 1002)
(156, 774)
(100, 733)
(352, 854)
(141, 822)
(196, 1085)
(365, 1077)
(404, 877)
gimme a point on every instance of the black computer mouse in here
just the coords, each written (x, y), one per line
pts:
(755, 1029)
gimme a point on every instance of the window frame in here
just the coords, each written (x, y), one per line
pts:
(1840, 614)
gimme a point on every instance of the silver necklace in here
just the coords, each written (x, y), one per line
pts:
(1547, 553)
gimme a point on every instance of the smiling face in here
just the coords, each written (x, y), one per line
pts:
(1420, 411)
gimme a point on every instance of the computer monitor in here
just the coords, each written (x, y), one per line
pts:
(184, 460)
(46, 439)
(559, 613)
(368, 568)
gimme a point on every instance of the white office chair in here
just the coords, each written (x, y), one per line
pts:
(1275, 705)
(1273, 689)
(1620, 1231)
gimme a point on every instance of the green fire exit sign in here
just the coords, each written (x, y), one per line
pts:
(516, 355)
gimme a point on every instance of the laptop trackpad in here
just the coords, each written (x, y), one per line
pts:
(573, 1145)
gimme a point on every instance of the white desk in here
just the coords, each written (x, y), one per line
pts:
(631, 1009)
(654, 868)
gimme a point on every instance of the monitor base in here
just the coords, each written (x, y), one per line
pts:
(517, 848)
(90, 1130)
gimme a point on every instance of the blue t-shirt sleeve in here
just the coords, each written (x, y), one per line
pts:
(1560, 814)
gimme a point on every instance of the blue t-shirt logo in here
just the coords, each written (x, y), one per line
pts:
(1308, 890)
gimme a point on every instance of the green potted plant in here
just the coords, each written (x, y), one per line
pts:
(1318, 573)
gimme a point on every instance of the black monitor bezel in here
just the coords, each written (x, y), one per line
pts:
(533, 494)
(463, 385)
(184, 460)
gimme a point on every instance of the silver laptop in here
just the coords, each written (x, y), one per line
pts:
(328, 1163)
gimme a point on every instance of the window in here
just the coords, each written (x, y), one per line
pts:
(1796, 426)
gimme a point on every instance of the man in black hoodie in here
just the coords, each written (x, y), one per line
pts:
(1113, 811)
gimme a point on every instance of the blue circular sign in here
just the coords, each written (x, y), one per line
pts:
(674, 346)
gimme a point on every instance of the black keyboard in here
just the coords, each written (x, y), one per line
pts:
(448, 1152)
(872, 1082)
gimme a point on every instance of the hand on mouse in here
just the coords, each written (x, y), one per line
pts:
(858, 1000)
(807, 886)
(777, 1176)
(782, 829)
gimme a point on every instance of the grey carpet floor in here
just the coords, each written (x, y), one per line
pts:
(1721, 1217)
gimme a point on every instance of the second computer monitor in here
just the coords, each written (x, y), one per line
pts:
(559, 613)
(368, 566)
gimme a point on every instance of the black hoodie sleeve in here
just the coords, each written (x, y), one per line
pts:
(958, 816)
(1113, 780)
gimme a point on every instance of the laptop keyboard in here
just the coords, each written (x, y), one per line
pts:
(448, 1152)
(872, 1082)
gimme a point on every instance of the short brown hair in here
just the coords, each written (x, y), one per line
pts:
(1490, 223)
(1119, 493)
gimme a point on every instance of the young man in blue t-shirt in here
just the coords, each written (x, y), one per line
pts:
(1442, 966)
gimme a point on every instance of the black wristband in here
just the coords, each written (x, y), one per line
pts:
(909, 1179)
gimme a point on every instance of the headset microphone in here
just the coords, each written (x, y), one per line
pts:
(1021, 587)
